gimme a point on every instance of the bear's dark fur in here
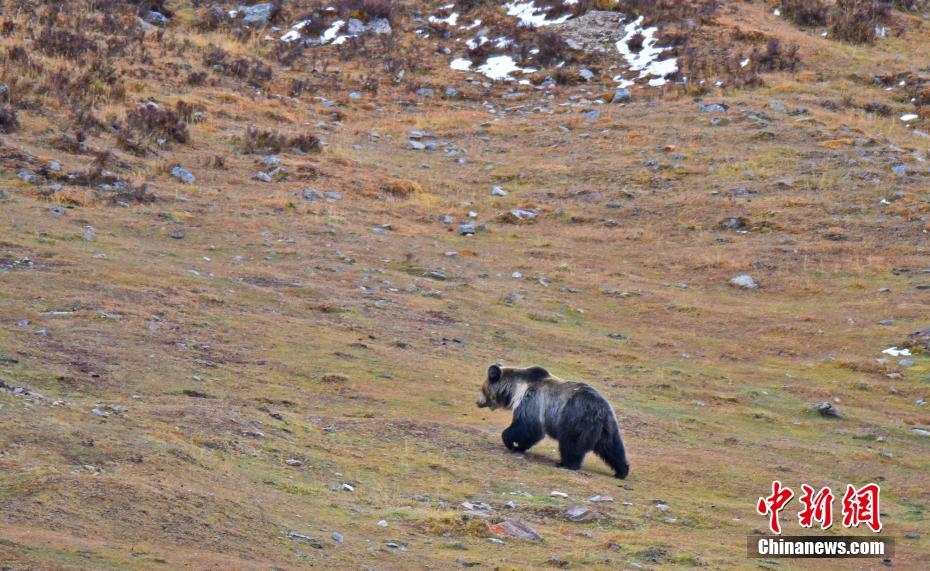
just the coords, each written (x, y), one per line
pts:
(573, 413)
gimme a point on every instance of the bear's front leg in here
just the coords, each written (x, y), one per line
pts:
(521, 436)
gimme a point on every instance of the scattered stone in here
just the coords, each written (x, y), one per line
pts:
(906, 363)
(426, 92)
(311, 541)
(582, 514)
(347, 487)
(734, 223)
(89, 233)
(183, 175)
(622, 95)
(466, 230)
(177, 235)
(777, 106)
(586, 74)
(558, 494)
(619, 336)
(598, 499)
(293, 462)
(337, 537)
(257, 15)
(744, 281)
(382, 523)
(593, 114)
(912, 535)
(826, 408)
(514, 529)
(920, 431)
(156, 18)
(498, 191)
(556, 561)
(899, 170)
(887, 322)
(713, 107)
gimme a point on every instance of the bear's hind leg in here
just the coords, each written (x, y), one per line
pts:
(574, 443)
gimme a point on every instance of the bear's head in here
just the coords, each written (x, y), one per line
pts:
(503, 383)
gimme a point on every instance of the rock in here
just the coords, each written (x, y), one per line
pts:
(593, 114)
(312, 194)
(556, 561)
(451, 92)
(257, 15)
(777, 106)
(333, 195)
(311, 541)
(616, 335)
(599, 499)
(912, 535)
(347, 487)
(906, 363)
(558, 494)
(887, 322)
(293, 462)
(826, 408)
(426, 92)
(514, 529)
(899, 170)
(156, 18)
(734, 223)
(498, 191)
(28, 176)
(713, 107)
(516, 216)
(513, 298)
(920, 431)
(415, 145)
(586, 74)
(382, 523)
(580, 514)
(271, 161)
(262, 176)
(337, 537)
(466, 230)
(622, 95)
(183, 175)
(89, 233)
(744, 281)
(177, 235)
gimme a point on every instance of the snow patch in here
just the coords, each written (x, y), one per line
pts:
(646, 61)
(895, 352)
(531, 16)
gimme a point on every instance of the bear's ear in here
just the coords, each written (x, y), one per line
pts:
(494, 373)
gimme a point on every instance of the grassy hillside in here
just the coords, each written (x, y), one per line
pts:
(226, 372)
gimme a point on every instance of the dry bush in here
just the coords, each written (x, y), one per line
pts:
(855, 21)
(776, 56)
(153, 122)
(8, 120)
(258, 141)
(307, 142)
(367, 8)
(552, 48)
(808, 13)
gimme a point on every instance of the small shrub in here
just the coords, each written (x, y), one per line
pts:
(552, 47)
(308, 143)
(808, 13)
(368, 8)
(8, 121)
(258, 141)
(153, 122)
(402, 188)
(776, 57)
(855, 21)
